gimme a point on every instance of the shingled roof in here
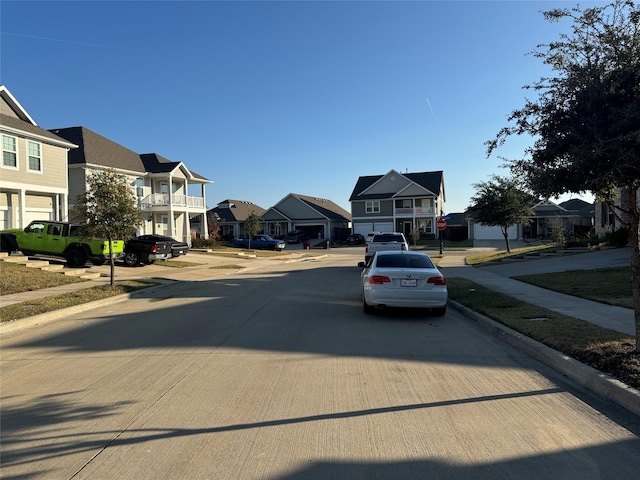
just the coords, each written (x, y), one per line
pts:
(429, 180)
(235, 210)
(98, 150)
(326, 207)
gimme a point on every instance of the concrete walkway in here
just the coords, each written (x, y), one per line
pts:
(497, 277)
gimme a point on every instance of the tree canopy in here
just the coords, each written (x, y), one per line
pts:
(585, 122)
(500, 202)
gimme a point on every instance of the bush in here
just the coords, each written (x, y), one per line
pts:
(204, 243)
(619, 238)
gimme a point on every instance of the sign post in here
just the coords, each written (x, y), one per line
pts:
(441, 224)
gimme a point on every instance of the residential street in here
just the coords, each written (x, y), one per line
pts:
(276, 373)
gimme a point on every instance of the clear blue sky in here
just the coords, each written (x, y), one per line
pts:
(269, 98)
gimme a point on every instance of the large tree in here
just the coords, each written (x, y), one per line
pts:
(585, 121)
(500, 202)
(107, 209)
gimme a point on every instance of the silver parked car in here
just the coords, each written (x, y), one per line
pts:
(401, 278)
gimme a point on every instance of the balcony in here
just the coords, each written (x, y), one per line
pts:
(160, 201)
(415, 212)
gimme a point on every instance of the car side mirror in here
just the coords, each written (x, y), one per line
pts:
(362, 264)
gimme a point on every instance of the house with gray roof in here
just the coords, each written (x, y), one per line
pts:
(398, 202)
(318, 217)
(33, 172)
(230, 215)
(161, 186)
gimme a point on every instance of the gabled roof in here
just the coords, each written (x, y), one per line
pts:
(235, 210)
(154, 163)
(585, 209)
(98, 150)
(325, 207)
(431, 181)
(15, 120)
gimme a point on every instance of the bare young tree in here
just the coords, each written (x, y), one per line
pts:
(107, 209)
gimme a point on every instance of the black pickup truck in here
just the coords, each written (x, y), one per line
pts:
(139, 251)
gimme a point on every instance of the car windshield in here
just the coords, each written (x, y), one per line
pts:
(404, 261)
(388, 238)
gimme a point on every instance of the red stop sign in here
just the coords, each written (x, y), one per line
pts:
(441, 224)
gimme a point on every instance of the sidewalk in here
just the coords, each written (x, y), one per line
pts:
(498, 278)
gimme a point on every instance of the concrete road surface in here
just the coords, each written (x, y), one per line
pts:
(278, 374)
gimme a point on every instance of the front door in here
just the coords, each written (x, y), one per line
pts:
(407, 227)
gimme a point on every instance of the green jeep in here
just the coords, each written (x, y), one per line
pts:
(59, 239)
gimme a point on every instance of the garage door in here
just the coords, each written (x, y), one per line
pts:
(383, 227)
(362, 228)
(31, 215)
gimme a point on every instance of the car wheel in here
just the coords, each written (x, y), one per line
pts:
(439, 312)
(131, 259)
(5, 246)
(76, 258)
(366, 308)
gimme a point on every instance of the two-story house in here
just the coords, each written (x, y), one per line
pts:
(398, 202)
(33, 172)
(161, 186)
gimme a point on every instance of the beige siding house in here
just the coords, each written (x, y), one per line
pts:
(33, 172)
(161, 186)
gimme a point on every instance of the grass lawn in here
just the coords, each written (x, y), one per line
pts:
(497, 255)
(606, 350)
(71, 299)
(604, 285)
(15, 278)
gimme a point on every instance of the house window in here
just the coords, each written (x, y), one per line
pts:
(404, 203)
(372, 206)
(139, 184)
(9, 152)
(34, 151)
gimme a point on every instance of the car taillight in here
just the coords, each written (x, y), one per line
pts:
(437, 281)
(154, 248)
(378, 279)
(366, 248)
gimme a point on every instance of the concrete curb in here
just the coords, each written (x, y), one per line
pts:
(596, 381)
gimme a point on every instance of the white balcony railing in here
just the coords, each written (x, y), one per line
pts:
(162, 200)
(415, 212)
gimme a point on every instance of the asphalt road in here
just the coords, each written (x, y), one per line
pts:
(276, 373)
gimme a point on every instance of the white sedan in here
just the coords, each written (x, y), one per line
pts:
(403, 279)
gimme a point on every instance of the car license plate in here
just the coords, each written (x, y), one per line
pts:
(408, 282)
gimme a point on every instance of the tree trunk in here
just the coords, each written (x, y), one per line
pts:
(505, 234)
(634, 243)
(111, 262)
